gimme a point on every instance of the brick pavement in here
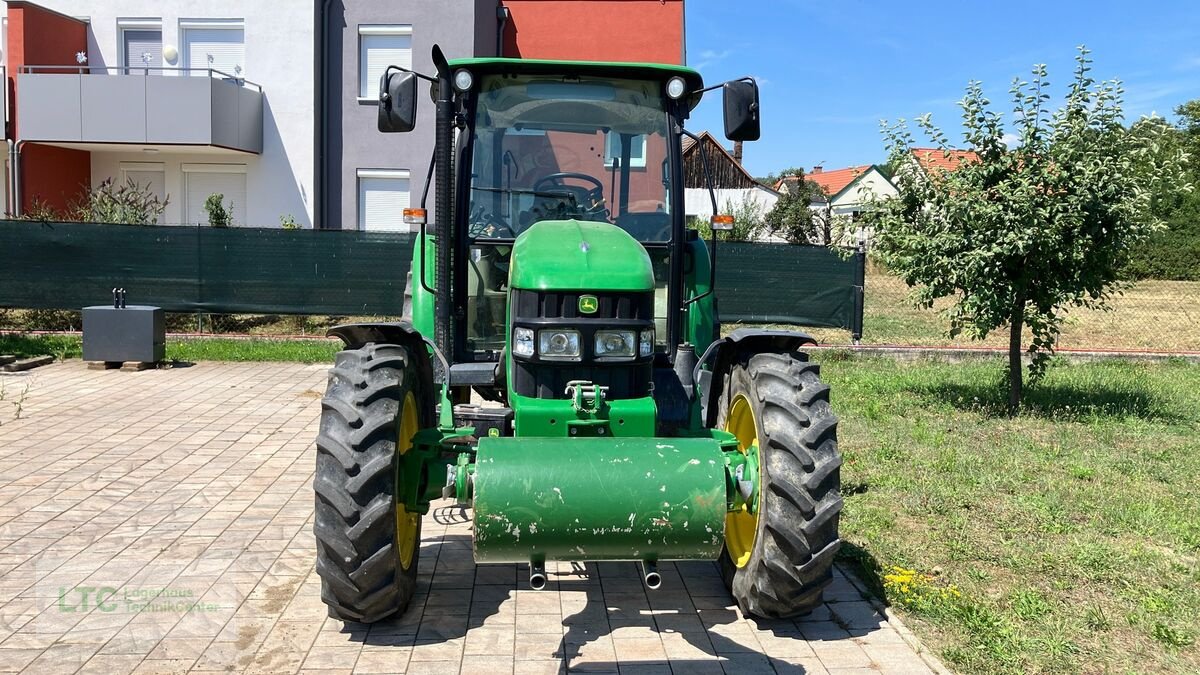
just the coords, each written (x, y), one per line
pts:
(161, 522)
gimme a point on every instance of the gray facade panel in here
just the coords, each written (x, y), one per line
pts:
(48, 108)
(462, 28)
(178, 110)
(115, 108)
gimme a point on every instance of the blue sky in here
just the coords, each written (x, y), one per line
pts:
(829, 71)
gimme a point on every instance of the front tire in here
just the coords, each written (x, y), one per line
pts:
(777, 562)
(368, 543)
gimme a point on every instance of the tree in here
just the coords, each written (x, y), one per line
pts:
(792, 217)
(1174, 253)
(1020, 235)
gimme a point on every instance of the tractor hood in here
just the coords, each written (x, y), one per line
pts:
(575, 255)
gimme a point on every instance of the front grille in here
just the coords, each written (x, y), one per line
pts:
(547, 379)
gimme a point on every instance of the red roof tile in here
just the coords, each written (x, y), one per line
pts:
(931, 159)
(832, 181)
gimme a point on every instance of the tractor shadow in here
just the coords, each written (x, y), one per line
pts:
(599, 616)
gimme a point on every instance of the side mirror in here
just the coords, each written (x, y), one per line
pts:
(741, 110)
(397, 101)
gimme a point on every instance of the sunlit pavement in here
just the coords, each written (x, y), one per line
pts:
(160, 521)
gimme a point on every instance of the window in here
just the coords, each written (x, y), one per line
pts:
(216, 45)
(146, 175)
(141, 45)
(637, 150)
(378, 48)
(382, 198)
(202, 180)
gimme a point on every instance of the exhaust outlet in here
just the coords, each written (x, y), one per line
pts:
(537, 576)
(650, 576)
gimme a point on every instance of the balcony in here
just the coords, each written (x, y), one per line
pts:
(85, 106)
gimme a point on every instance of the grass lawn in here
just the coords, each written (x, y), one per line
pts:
(191, 349)
(1154, 315)
(1064, 540)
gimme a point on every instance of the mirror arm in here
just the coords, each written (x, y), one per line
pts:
(387, 71)
(718, 86)
(712, 195)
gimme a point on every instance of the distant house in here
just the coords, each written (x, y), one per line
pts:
(847, 192)
(934, 160)
(732, 183)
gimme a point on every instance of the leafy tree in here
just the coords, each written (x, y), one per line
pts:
(792, 216)
(1022, 234)
(1174, 253)
(748, 220)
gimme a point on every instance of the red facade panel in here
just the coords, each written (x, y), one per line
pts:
(38, 36)
(595, 30)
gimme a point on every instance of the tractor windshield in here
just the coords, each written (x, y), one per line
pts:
(552, 148)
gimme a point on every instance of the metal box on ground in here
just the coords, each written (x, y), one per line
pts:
(132, 333)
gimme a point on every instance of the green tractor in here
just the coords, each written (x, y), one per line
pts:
(562, 369)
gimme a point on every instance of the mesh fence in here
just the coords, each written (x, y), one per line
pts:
(1148, 315)
(273, 271)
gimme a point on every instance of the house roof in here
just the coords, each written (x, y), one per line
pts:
(936, 159)
(689, 144)
(833, 182)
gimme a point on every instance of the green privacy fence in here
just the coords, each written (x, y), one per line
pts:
(784, 283)
(273, 271)
(203, 269)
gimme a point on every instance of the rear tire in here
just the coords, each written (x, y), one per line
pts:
(796, 533)
(367, 543)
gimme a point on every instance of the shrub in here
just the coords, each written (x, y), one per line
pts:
(218, 214)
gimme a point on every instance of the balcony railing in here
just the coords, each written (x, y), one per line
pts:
(130, 105)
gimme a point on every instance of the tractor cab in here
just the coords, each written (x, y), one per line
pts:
(569, 260)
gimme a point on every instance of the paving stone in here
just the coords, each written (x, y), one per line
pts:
(199, 481)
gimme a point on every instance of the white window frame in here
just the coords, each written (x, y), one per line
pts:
(634, 162)
(185, 169)
(359, 174)
(369, 30)
(124, 24)
(185, 55)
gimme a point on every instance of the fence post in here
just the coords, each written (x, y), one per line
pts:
(860, 282)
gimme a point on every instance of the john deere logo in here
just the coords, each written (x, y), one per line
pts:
(588, 304)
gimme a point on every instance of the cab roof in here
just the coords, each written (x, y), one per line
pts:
(614, 69)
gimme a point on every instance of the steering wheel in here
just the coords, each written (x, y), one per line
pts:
(593, 198)
(484, 225)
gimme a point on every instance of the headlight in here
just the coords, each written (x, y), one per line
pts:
(463, 79)
(614, 344)
(558, 345)
(522, 341)
(646, 344)
(676, 87)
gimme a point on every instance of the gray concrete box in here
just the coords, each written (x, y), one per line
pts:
(132, 333)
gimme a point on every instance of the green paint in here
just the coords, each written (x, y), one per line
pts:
(422, 300)
(622, 70)
(599, 499)
(536, 417)
(579, 255)
(700, 321)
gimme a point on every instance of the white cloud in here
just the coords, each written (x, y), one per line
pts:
(1010, 139)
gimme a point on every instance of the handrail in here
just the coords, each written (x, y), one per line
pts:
(82, 70)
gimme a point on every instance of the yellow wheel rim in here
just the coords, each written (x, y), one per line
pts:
(741, 526)
(406, 523)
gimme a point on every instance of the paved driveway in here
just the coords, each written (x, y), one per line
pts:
(161, 522)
